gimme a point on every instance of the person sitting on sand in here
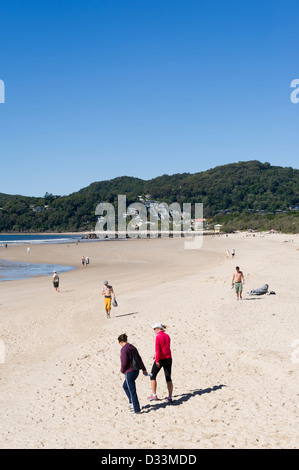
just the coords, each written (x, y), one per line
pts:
(238, 278)
(260, 291)
(107, 292)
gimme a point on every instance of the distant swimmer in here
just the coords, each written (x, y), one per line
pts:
(56, 281)
(238, 281)
(107, 292)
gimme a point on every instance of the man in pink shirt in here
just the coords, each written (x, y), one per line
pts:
(163, 359)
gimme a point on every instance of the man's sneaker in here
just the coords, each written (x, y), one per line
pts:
(152, 397)
(168, 399)
(130, 406)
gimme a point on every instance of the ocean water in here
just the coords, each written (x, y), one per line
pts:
(38, 239)
(12, 271)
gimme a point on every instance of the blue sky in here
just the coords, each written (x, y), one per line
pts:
(96, 89)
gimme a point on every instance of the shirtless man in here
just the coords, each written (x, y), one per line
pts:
(107, 292)
(237, 280)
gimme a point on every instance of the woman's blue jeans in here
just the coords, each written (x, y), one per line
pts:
(130, 389)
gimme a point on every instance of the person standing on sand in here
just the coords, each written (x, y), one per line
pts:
(83, 261)
(238, 281)
(107, 292)
(162, 359)
(56, 281)
(131, 374)
(233, 253)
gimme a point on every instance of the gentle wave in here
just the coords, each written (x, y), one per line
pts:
(38, 239)
(12, 270)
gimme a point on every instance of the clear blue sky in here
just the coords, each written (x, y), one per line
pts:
(102, 88)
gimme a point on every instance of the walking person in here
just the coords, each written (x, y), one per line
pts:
(162, 359)
(131, 371)
(238, 281)
(55, 281)
(83, 261)
(107, 292)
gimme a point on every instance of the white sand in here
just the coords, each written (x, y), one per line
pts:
(235, 384)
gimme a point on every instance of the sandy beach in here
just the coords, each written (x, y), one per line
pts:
(234, 374)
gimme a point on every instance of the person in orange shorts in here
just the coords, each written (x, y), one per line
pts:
(107, 292)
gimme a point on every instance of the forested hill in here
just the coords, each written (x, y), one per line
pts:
(237, 188)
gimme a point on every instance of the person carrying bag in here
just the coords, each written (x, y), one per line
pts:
(131, 363)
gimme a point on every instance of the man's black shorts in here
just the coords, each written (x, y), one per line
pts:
(166, 365)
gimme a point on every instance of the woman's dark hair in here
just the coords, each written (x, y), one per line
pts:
(123, 338)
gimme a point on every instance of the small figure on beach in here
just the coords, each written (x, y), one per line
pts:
(87, 261)
(83, 261)
(107, 292)
(260, 291)
(28, 250)
(162, 359)
(55, 281)
(238, 281)
(233, 253)
(131, 363)
(227, 254)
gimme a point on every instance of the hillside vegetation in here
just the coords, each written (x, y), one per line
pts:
(239, 195)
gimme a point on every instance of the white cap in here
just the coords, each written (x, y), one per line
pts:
(105, 283)
(157, 325)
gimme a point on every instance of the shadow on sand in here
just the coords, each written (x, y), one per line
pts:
(252, 298)
(125, 314)
(179, 399)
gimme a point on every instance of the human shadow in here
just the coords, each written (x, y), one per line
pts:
(125, 314)
(252, 298)
(178, 400)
